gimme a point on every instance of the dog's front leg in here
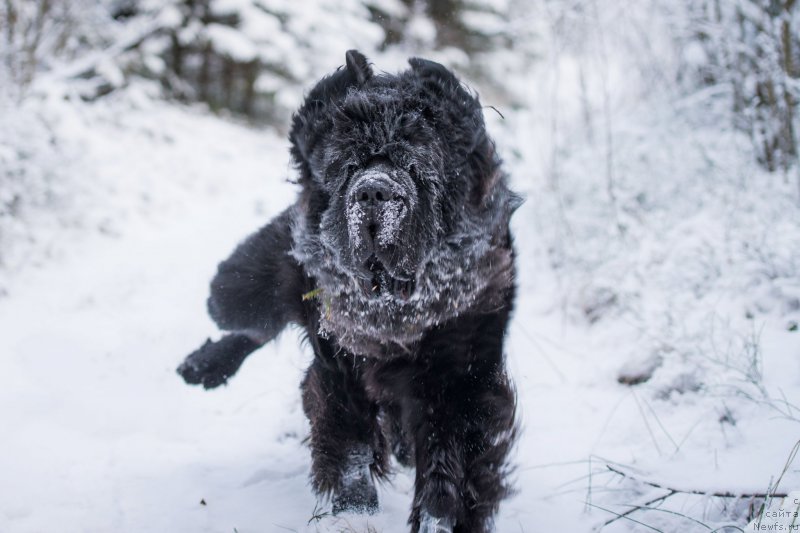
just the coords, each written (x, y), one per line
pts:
(464, 429)
(256, 292)
(347, 447)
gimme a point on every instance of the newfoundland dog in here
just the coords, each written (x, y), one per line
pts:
(396, 261)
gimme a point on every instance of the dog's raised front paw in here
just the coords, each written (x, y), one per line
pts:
(197, 369)
(214, 362)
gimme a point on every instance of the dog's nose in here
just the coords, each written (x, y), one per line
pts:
(375, 212)
(375, 190)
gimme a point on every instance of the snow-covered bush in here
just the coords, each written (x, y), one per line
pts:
(753, 47)
(37, 34)
(33, 176)
(249, 56)
(255, 57)
(650, 206)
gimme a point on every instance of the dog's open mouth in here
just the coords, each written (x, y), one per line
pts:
(381, 281)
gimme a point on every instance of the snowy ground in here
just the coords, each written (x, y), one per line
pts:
(101, 435)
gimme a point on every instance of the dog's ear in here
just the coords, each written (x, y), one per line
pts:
(444, 92)
(358, 66)
(312, 119)
(431, 70)
(439, 82)
(469, 133)
(443, 82)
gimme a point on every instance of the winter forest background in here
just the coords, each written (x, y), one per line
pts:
(655, 345)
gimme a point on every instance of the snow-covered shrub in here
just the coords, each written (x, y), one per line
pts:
(34, 176)
(649, 204)
(255, 57)
(249, 56)
(753, 47)
(37, 34)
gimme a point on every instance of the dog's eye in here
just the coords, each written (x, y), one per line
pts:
(336, 173)
(350, 169)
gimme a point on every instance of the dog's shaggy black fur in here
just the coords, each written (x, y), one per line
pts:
(397, 262)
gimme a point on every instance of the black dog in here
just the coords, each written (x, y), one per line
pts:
(397, 262)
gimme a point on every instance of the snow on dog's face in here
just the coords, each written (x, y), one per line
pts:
(403, 219)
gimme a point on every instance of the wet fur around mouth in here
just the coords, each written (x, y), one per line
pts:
(382, 283)
(396, 261)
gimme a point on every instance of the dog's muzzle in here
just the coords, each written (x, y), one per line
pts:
(377, 206)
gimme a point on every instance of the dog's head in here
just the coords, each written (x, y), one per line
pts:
(397, 171)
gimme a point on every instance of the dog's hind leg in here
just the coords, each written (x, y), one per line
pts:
(347, 447)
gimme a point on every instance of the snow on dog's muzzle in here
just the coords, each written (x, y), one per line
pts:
(376, 208)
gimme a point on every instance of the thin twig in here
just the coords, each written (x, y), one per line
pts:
(625, 517)
(495, 110)
(642, 507)
(789, 461)
(716, 494)
(658, 420)
(646, 423)
(645, 505)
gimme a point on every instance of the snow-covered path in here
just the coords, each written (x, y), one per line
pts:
(101, 435)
